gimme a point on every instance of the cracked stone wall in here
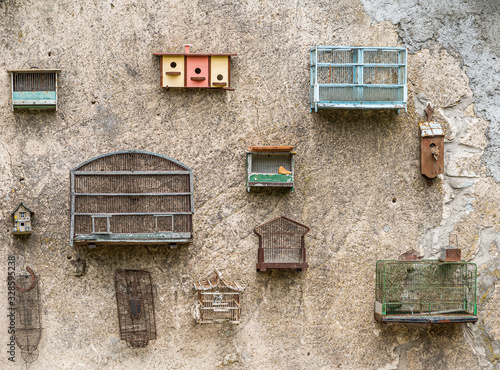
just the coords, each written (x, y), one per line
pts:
(358, 185)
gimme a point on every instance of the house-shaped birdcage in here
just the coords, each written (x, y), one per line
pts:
(34, 88)
(131, 197)
(22, 216)
(218, 300)
(425, 291)
(270, 166)
(281, 245)
(136, 311)
(196, 70)
(358, 77)
(28, 330)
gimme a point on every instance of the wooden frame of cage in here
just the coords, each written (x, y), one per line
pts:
(28, 329)
(263, 167)
(34, 88)
(218, 300)
(196, 70)
(358, 77)
(135, 307)
(131, 197)
(281, 245)
(425, 291)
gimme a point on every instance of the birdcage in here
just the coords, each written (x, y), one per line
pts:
(358, 77)
(218, 300)
(281, 245)
(28, 329)
(131, 197)
(270, 166)
(426, 291)
(34, 88)
(136, 310)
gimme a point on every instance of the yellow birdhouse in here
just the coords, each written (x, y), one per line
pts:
(22, 219)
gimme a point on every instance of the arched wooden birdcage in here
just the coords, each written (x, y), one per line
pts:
(281, 245)
(132, 197)
(218, 300)
(28, 322)
(135, 304)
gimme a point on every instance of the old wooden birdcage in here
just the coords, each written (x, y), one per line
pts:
(358, 77)
(218, 300)
(425, 291)
(28, 329)
(34, 88)
(270, 166)
(131, 197)
(198, 70)
(281, 245)
(136, 311)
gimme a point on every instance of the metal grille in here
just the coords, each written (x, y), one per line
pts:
(28, 322)
(34, 81)
(219, 305)
(426, 287)
(132, 195)
(135, 305)
(357, 77)
(281, 241)
(270, 163)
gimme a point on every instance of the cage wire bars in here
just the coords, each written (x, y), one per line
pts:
(358, 77)
(426, 291)
(135, 305)
(28, 321)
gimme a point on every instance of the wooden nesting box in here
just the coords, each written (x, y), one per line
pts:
(450, 254)
(425, 291)
(135, 304)
(431, 149)
(22, 216)
(28, 323)
(34, 88)
(131, 197)
(218, 300)
(270, 166)
(201, 70)
(347, 77)
(281, 245)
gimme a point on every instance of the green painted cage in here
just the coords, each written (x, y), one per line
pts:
(34, 88)
(425, 291)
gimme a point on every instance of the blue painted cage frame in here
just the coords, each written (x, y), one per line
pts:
(345, 77)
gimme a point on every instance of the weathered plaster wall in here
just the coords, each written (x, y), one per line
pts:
(357, 174)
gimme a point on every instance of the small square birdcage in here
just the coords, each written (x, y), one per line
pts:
(426, 291)
(218, 300)
(358, 77)
(28, 330)
(34, 88)
(270, 166)
(136, 311)
(281, 245)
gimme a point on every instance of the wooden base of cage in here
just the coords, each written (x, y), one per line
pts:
(261, 266)
(429, 319)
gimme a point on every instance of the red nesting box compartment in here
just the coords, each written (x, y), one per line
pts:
(197, 71)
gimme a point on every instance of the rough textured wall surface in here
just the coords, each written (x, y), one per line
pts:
(358, 185)
(464, 31)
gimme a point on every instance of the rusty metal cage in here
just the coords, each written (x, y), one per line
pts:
(426, 291)
(28, 321)
(131, 197)
(281, 245)
(34, 88)
(135, 304)
(218, 300)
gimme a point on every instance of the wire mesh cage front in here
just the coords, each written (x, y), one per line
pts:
(34, 88)
(28, 322)
(358, 77)
(136, 312)
(281, 244)
(34, 81)
(426, 288)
